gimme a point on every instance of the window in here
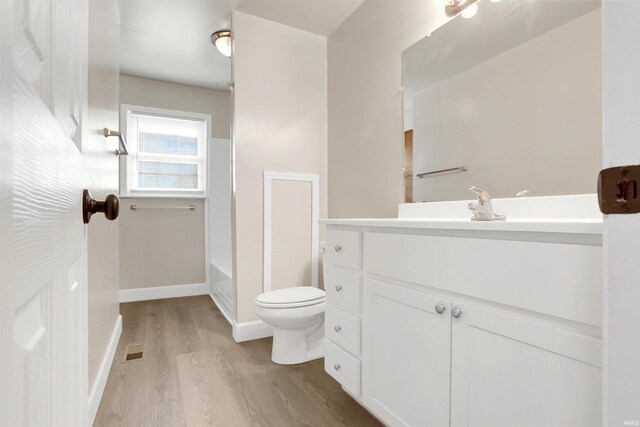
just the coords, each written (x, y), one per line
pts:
(167, 153)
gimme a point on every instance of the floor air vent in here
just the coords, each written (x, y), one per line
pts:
(134, 352)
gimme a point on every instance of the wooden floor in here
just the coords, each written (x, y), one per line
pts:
(194, 374)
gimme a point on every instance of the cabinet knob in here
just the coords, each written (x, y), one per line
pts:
(456, 312)
(337, 328)
(337, 366)
(440, 308)
(338, 248)
(338, 288)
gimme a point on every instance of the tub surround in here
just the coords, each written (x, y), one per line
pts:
(432, 317)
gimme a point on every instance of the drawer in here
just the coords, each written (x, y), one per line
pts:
(343, 367)
(344, 289)
(343, 248)
(566, 281)
(343, 329)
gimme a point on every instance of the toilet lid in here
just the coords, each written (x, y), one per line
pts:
(299, 296)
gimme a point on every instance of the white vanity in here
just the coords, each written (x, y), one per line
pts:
(434, 320)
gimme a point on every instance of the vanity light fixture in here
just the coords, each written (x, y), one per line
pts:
(222, 41)
(466, 8)
(469, 12)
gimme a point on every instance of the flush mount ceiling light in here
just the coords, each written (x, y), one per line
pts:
(222, 41)
(467, 8)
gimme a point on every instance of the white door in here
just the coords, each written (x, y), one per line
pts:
(508, 370)
(406, 355)
(621, 244)
(42, 284)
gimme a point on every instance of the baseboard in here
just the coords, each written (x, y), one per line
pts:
(161, 292)
(245, 331)
(103, 373)
(254, 330)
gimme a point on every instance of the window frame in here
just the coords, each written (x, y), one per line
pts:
(128, 163)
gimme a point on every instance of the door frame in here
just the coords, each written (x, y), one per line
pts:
(621, 233)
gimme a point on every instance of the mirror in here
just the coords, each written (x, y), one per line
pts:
(513, 95)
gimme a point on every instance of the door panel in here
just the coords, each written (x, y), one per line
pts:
(32, 326)
(42, 284)
(406, 355)
(509, 370)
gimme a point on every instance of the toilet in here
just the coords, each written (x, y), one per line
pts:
(297, 317)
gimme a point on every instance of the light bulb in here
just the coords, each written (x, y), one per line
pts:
(470, 11)
(224, 46)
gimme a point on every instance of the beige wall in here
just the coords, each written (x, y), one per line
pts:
(280, 125)
(101, 176)
(530, 118)
(159, 248)
(173, 96)
(291, 211)
(365, 104)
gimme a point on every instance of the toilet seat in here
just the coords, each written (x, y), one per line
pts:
(299, 296)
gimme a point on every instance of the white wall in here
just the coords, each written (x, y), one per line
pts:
(365, 149)
(220, 242)
(101, 176)
(157, 247)
(280, 98)
(220, 203)
(536, 107)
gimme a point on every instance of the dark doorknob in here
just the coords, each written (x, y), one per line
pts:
(110, 207)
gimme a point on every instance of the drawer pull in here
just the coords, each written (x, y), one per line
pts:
(456, 312)
(337, 366)
(338, 248)
(337, 328)
(338, 288)
(440, 308)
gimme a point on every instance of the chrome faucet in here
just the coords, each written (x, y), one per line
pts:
(482, 210)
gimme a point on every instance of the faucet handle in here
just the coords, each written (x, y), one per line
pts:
(483, 196)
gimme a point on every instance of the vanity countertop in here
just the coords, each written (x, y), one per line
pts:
(571, 214)
(564, 225)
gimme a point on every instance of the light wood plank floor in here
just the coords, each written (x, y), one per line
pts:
(194, 374)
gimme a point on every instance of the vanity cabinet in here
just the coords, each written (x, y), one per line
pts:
(509, 369)
(343, 327)
(431, 334)
(406, 355)
(426, 358)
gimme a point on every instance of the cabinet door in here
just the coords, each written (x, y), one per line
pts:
(406, 355)
(510, 370)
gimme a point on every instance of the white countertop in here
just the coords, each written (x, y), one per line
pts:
(571, 226)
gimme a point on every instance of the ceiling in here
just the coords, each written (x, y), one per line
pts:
(321, 17)
(169, 39)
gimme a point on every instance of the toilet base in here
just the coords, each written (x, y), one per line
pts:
(291, 347)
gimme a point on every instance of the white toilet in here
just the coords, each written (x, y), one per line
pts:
(297, 317)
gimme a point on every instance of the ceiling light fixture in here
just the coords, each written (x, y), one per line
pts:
(222, 41)
(467, 8)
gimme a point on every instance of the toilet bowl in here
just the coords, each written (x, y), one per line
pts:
(297, 317)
